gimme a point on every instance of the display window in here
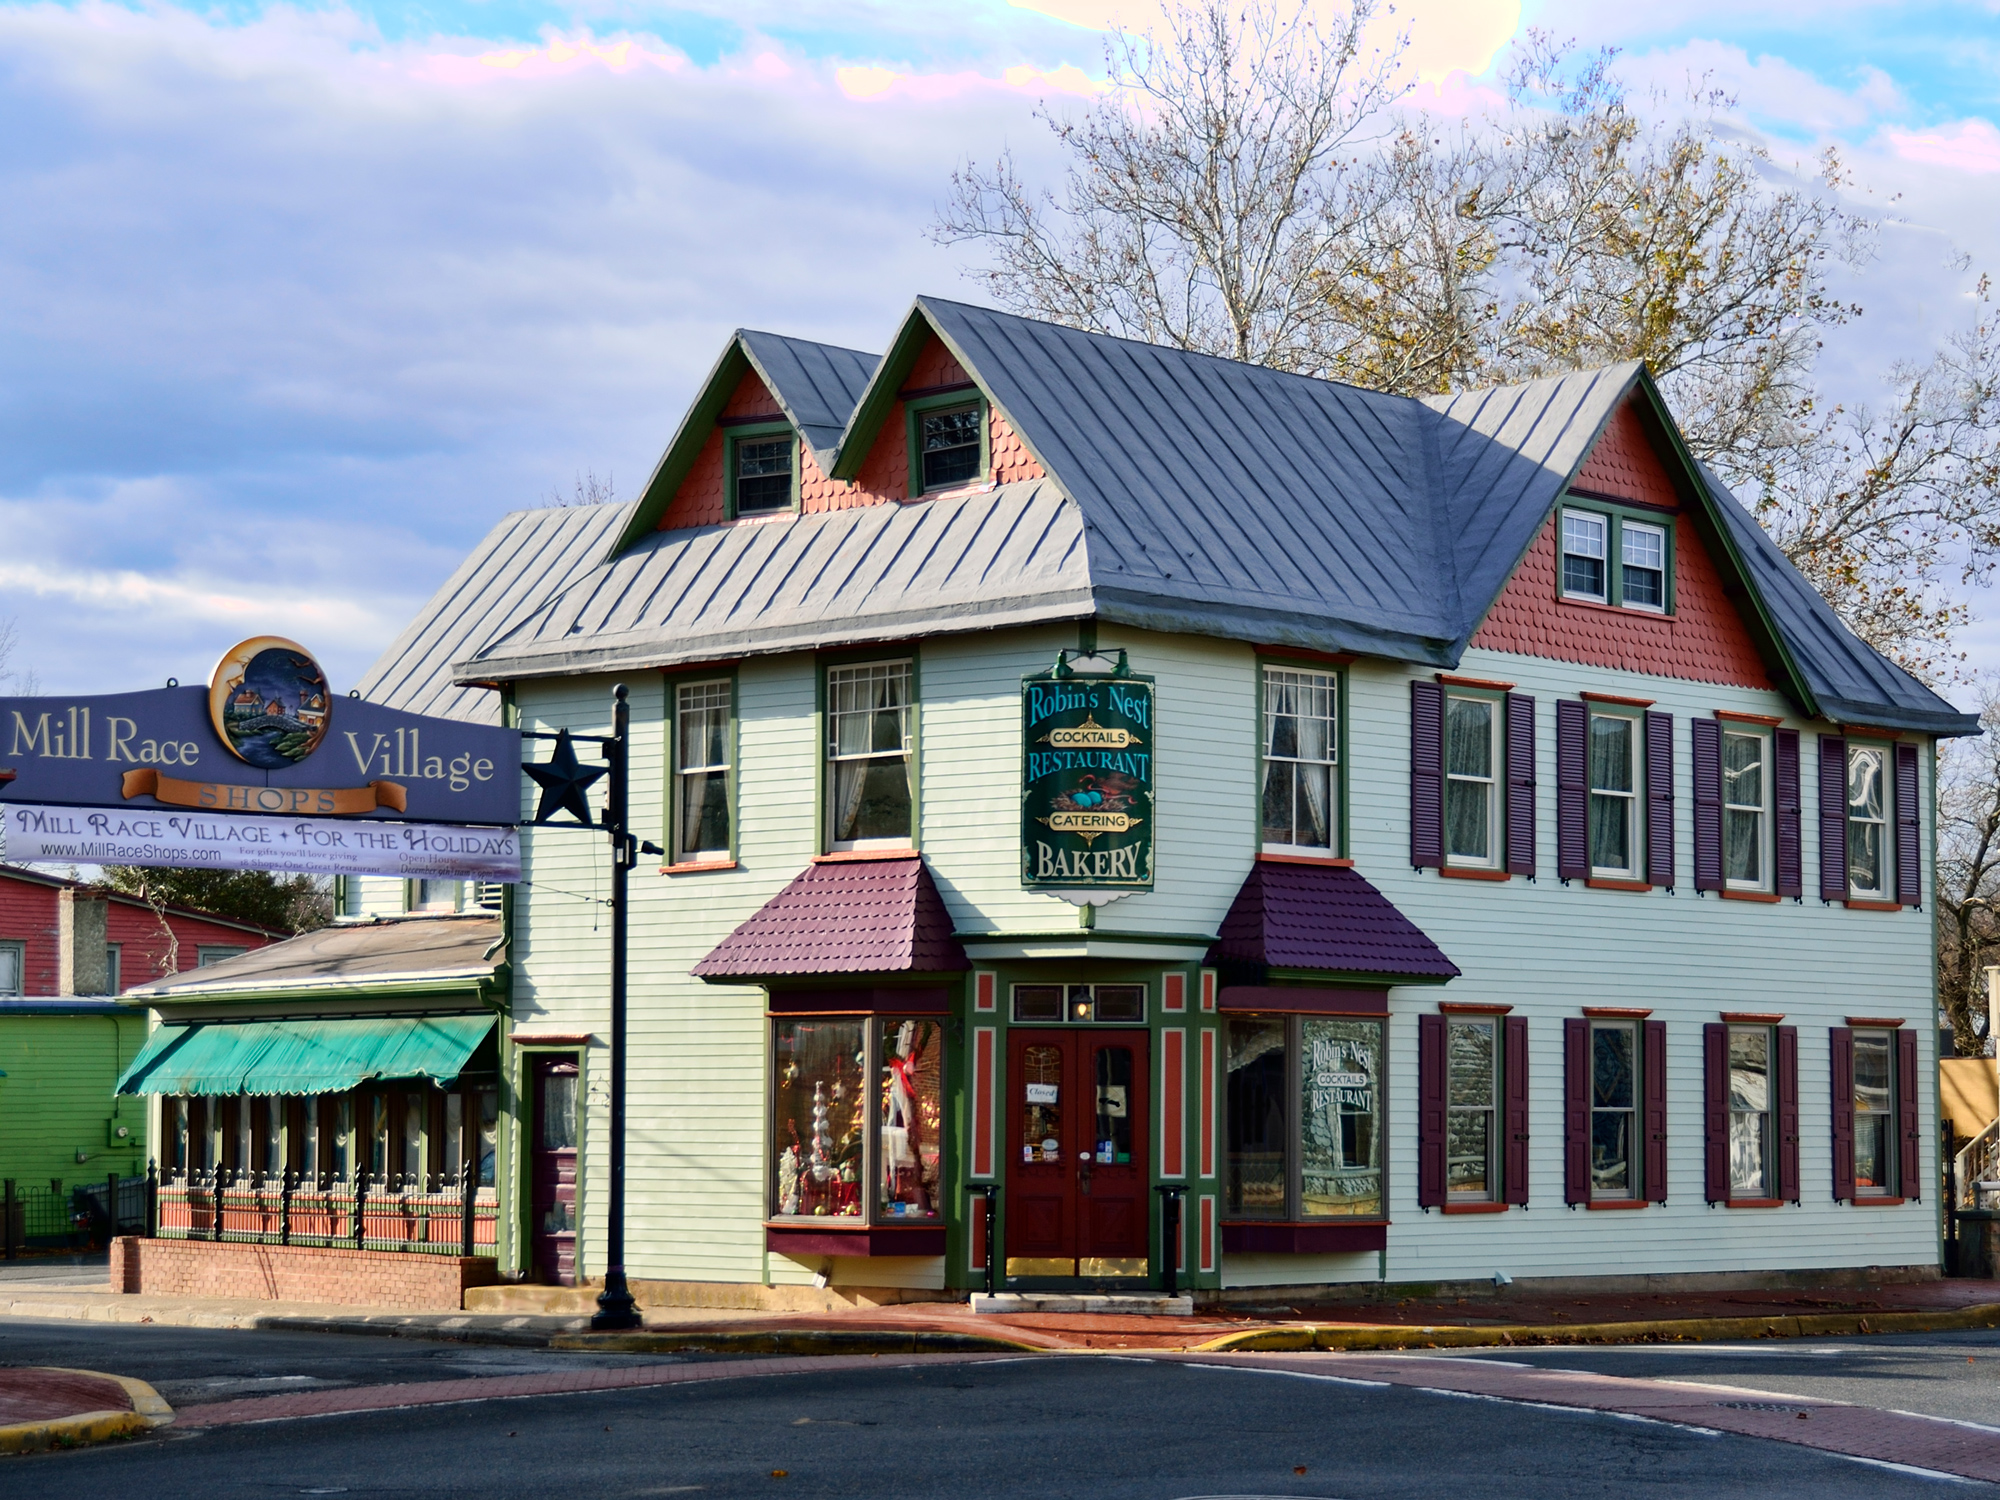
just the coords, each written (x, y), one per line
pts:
(1305, 1114)
(833, 1132)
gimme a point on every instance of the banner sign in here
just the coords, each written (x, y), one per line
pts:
(296, 846)
(1087, 783)
(265, 737)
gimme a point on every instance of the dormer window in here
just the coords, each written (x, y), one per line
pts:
(762, 471)
(950, 446)
(1612, 557)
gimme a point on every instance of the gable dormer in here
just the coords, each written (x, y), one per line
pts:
(926, 427)
(1624, 572)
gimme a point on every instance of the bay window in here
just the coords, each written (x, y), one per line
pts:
(1305, 1117)
(857, 1112)
(870, 736)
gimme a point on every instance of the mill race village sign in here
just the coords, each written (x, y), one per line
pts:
(1087, 781)
(263, 769)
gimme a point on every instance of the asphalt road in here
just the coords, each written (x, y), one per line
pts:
(1099, 1427)
(1954, 1375)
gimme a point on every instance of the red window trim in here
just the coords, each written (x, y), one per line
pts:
(1769, 897)
(550, 1039)
(1753, 1017)
(1882, 1022)
(1597, 1203)
(1731, 716)
(1616, 1012)
(1596, 884)
(1462, 872)
(1869, 1200)
(1627, 610)
(1472, 1008)
(1853, 905)
(852, 856)
(698, 866)
(1753, 1203)
(1613, 697)
(1474, 1207)
(1474, 682)
(1306, 859)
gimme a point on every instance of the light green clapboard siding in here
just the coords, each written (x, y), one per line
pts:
(58, 1093)
(697, 1063)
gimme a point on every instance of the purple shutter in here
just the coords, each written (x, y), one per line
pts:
(1653, 1059)
(1785, 782)
(1514, 1075)
(1909, 850)
(1576, 1109)
(1659, 799)
(1707, 745)
(1572, 792)
(1910, 1183)
(1840, 1050)
(1520, 786)
(1715, 1111)
(1426, 775)
(1832, 817)
(1430, 1111)
(1788, 1114)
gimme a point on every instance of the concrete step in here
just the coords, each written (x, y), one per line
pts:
(1125, 1304)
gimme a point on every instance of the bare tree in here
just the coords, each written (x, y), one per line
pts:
(1968, 875)
(1207, 195)
(590, 490)
(1249, 189)
(23, 682)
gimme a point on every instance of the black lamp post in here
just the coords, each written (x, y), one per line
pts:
(564, 782)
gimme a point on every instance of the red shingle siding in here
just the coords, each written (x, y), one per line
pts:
(1705, 640)
(297, 1273)
(885, 474)
(28, 915)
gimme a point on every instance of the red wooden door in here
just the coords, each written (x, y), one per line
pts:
(552, 1171)
(1112, 1210)
(1077, 1178)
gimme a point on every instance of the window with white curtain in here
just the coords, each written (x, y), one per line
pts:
(1301, 760)
(870, 723)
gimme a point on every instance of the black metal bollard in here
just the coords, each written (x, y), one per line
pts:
(466, 1193)
(215, 1206)
(360, 1224)
(152, 1225)
(987, 1191)
(285, 1208)
(7, 1213)
(1170, 1237)
(111, 1225)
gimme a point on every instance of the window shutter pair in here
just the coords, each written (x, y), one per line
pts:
(1652, 1143)
(1833, 819)
(1511, 1118)
(1784, 1114)
(1427, 779)
(1707, 744)
(1573, 794)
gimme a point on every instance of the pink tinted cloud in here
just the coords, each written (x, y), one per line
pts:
(1970, 146)
(557, 58)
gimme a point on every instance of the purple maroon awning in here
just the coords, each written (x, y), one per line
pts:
(845, 916)
(1324, 918)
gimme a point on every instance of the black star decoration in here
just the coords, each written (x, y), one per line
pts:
(563, 782)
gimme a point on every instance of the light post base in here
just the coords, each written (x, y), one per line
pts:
(616, 1310)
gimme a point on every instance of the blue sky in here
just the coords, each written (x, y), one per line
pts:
(295, 300)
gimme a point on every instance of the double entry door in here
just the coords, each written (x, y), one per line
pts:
(1077, 1175)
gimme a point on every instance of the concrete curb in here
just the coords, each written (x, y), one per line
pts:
(804, 1341)
(1298, 1337)
(149, 1410)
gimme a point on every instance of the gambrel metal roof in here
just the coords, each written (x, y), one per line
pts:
(1185, 493)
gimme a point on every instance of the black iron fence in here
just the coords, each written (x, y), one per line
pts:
(429, 1213)
(75, 1216)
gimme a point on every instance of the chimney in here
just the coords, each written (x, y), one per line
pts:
(83, 954)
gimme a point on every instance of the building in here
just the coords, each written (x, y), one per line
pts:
(65, 949)
(1510, 865)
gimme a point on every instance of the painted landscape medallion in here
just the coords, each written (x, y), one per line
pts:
(269, 701)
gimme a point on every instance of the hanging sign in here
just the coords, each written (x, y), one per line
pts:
(264, 737)
(1087, 783)
(292, 846)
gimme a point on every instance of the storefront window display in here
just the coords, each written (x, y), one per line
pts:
(1305, 1111)
(829, 1137)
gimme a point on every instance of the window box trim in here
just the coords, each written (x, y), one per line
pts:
(1472, 872)
(1605, 883)
(1305, 859)
(1475, 1206)
(1869, 1200)
(1312, 1237)
(761, 430)
(1729, 893)
(942, 398)
(1853, 904)
(1597, 1204)
(1753, 1203)
(811, 1237)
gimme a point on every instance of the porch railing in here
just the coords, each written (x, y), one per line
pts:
(429, 1213)
(1976, 1167)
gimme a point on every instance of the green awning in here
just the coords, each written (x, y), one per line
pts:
(301, 1057)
